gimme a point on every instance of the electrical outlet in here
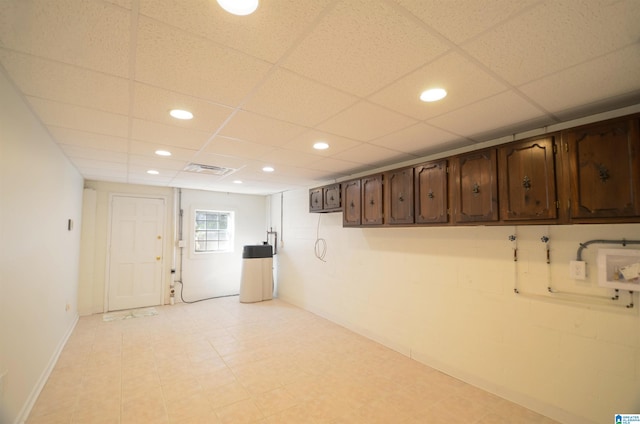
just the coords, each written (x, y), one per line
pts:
(578, 270)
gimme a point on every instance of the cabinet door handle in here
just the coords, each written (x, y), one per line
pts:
(372, 202)
(476, 188)
(351, 205)
(400, 198)
(430, 194)
(604, 173)
(526, 183)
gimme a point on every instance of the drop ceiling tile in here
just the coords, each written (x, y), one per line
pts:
(556, 35)
(150, 180)
(95, 165)
(82, 152)
(417, 139)
(365, 121)
(496, 114)
(289, 157)
(370, 155)
(56, 81)
(363, 45)
(238, 148)
(335, 166)
(87, 139)
(460, 20)
(170, 58)
(284, 21)
(153, 104)
(464, 81)
(292, 98)
(142, 148)
(259, 129)
(156, 162)
(80, 118)
(584, 84)
(86, 33)
(305, 141)
(168, 135)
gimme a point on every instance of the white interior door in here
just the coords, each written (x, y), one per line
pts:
(135, 252)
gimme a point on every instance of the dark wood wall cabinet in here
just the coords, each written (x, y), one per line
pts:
(325, 199)
(586, 174)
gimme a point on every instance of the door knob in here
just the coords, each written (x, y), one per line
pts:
(158, 258)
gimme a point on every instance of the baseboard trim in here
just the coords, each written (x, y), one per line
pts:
(33, 397)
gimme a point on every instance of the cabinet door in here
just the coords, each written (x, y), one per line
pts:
(315, 200)
(431, 193)
(476, 187)
(399, 196)
(604, 170)
(351, 215)
(528, 180)
(331, 197)
(372, 203)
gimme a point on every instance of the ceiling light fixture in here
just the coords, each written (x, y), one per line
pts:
(163, 153)
(237, 182)
(268, 169)
(181, 114)
(433, 95)
(321, 145)
(152, 172)
(239, 7)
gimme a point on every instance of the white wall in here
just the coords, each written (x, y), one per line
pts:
(208, 275)
(218, 274)
(39, 191)
(444, 296)
(93, 260)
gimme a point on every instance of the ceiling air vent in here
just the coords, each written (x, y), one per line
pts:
(208, 169)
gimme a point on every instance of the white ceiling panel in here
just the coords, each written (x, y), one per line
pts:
(283, 20)
(292, 98)
(464, 81)
(64, 83)
(374, 155)
(237, 148)
(555, 35)
(153, 104)
(365, 121)
(416, 139)
(168, 135)
(80, 118)
(260, 129)
(87, 33)
(304, 143)
(504, 111)
(582, 85)
(362, 45)
(102, 75)
(460, 20)
(190, 64)
(87, 139)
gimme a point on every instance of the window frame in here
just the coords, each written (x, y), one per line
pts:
(230, 231)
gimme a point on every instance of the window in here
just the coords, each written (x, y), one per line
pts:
(213, 231)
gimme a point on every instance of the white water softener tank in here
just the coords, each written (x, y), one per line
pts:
(256, 283)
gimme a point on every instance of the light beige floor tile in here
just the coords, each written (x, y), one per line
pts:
(225, 362)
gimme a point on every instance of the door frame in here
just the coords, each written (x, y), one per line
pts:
(107, 280)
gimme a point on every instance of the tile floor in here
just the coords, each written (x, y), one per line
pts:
(221, 361)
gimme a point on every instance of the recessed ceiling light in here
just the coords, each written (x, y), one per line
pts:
(237, 182)
(163, 153)
(239, 7)
(433, 95)
(321, 145)
(152, 172)
(268, 169)
(181, 114)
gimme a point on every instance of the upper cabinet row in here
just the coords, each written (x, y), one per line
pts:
(580, 175)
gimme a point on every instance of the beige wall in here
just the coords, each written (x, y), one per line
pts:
(444, 296)
(39, 192)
